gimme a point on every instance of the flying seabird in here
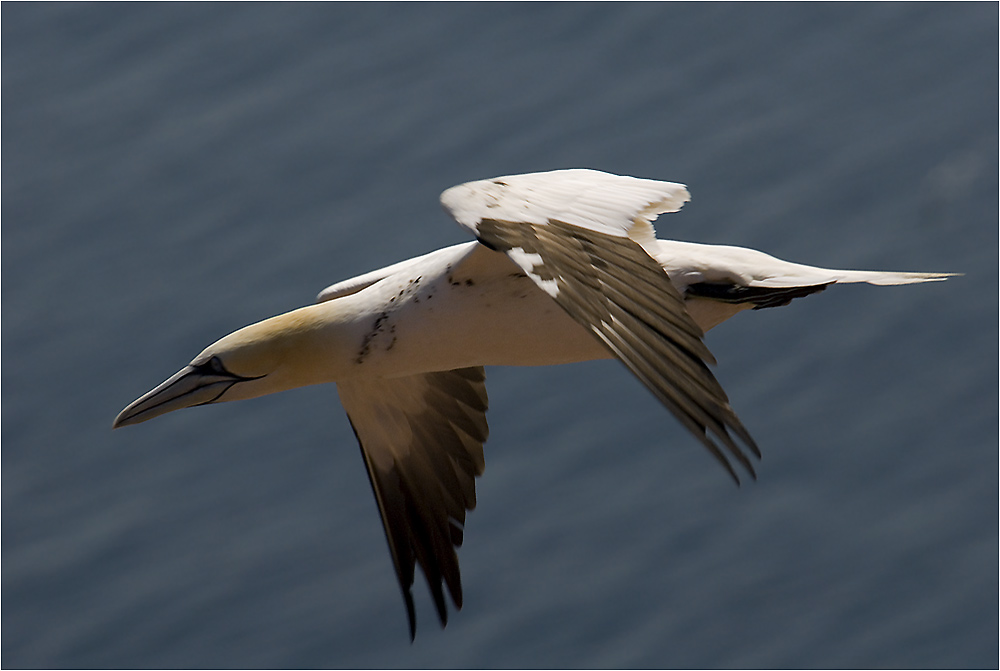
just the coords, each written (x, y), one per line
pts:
(565, 267)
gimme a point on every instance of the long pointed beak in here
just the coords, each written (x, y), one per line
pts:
(192, 385)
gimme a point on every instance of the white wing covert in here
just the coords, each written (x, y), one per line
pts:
(612, 204)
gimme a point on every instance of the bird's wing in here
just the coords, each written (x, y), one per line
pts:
(356, 284)
(581, 236)
(597, 201)
(422, 441)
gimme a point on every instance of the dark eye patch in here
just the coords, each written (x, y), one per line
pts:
(212, 366)
(215, 365)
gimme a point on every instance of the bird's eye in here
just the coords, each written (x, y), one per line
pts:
(212, 366)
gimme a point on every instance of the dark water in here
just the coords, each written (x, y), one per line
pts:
(173, 172)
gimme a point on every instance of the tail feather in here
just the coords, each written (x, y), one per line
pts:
(690, 263)
(888, 278)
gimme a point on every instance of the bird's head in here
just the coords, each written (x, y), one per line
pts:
(273, 355)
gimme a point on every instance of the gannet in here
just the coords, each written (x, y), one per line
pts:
(565, 267)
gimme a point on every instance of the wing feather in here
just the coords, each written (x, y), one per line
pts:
(586, 238)
(611, 286)
(421, 438)
(612, 204)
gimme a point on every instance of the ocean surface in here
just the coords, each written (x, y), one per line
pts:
(174, 172)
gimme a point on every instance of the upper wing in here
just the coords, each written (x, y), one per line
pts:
(598, 201)
(422, 441)
(356, 284)
(580, 235)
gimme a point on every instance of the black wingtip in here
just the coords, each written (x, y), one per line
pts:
(411, 614)
(729, 469)
(748, 466)
(722, 459)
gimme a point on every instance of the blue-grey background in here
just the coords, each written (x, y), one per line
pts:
(174, 172)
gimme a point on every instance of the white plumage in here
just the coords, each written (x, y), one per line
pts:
(566, 267)
(598, 201)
